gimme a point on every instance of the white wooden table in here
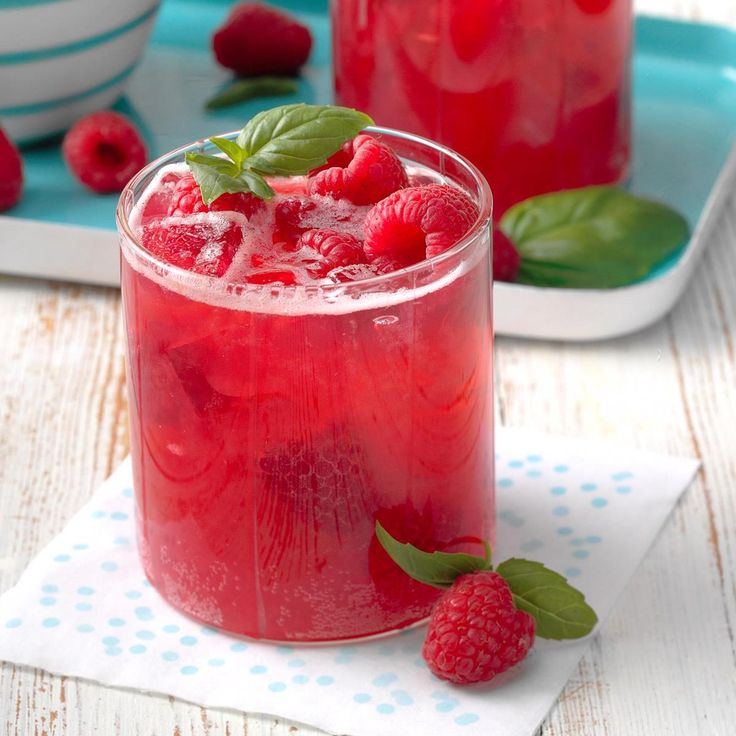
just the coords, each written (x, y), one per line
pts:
(665, 662)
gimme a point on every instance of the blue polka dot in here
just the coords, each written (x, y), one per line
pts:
(188, 641)
(258, 669)
(109, 566)
(47, 600)
(146, 583)
(385, 708)
(599, 503)
(83, 606)
(133, 595)
(116, 622)
(577, 542)
(560, 510)
(284, 649)
(205, 630)
(325, 680)
(137, 649)
(402, 697)
(62, 558)
(623, 490)
(238, 647)
(49, 623)
(171, 628)
(113, 651)
(143, 613)
(189, 669)
(534, 474)
(50, 588)
(385, 679)
(277, 687)
(572, 572)
(624, 475)
(466, 719)
(127, 492)
(588, 487)
(593, 539)
(558, 490)
(296, 663)
(300, 679)
(98, 514)
(85, 590)
(85, 628)
(561, 468)
(516, 463)
(170, 656)
(119, 515)
(110, 641)
(581, 554)
(564, 531)
(215, 662)
(121, 540)
(13, 623)
(505, 483)
(446, 705)
(145, 635)
(534, 458)
(361, 697)
(80, 546)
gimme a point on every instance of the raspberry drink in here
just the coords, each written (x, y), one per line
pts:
(536, 93)
(288, 387)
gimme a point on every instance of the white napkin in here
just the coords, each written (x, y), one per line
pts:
(83, 607)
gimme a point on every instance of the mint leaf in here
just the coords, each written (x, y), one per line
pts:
(595, 237)
(230, 148)
(294, 139)
(438, 569)
(217, 176)
(242, 90)
(559, 609)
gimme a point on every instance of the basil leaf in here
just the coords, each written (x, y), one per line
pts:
(559, 610)
(217, 176)
(230, 148)
(242, 90)
(438, 569)
(256, 184)
(596, 237)
(294, 139)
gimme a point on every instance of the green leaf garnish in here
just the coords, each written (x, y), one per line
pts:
(595, 237)
(285, 141)
(438, 569)
(242, 90)
(559, 609)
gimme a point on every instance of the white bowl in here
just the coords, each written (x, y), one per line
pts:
(62, 59)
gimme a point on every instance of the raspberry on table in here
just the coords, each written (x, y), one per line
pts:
(475, 632)
(337, 249)
(372, 172)
(506, 259)
(418, 222)
(186, 199)
(104, 150)
(258, 39)
(11, 173)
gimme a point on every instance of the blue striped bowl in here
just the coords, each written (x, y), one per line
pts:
(61, 59)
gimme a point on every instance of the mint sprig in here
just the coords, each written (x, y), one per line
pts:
(285, 141)
(559, 610)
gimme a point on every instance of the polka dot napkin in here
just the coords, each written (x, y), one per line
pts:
(83, 607)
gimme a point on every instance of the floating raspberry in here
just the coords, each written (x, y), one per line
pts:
(187, 200)
(506, 259)
(258, 39)
(104, 150)
(194, 243)
(417, 223)
(288, 216)
(476, 632)
(11, 173)
(338, 249)
(340, 159)
(373, 172)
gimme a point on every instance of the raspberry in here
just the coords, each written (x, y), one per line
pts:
(103, 150)
(258, 39)
(11, 173)
(288, 216)
(373, 172)
(506, 258)
(187, 200)
(475, 632)
(417, 223)
(338, 249)
(340, 159)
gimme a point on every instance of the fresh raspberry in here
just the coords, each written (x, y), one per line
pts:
(195, 244)
(103, 150)
(373, 172)
(340, 159)
(506, 259)
(11, 173)
(475, 632)
(258, 39)
(288, 215)
(187, 200)
(386, 264)
(337, 249)
(417, 223)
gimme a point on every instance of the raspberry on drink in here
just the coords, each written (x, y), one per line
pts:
(104, 150)
(11, 173)
(186, 199)
(337, 249)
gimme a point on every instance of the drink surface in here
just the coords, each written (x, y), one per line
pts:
(535, 93)
(269, 433)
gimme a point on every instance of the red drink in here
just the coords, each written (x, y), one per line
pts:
(536, 93)
(272, 424)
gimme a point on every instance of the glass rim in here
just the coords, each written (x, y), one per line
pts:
(205, 282)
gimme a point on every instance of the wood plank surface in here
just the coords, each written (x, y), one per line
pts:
(665, 661)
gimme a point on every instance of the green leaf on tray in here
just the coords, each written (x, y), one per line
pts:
(559, 609)
(595, 237)
(242, 90)
(438, 569)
